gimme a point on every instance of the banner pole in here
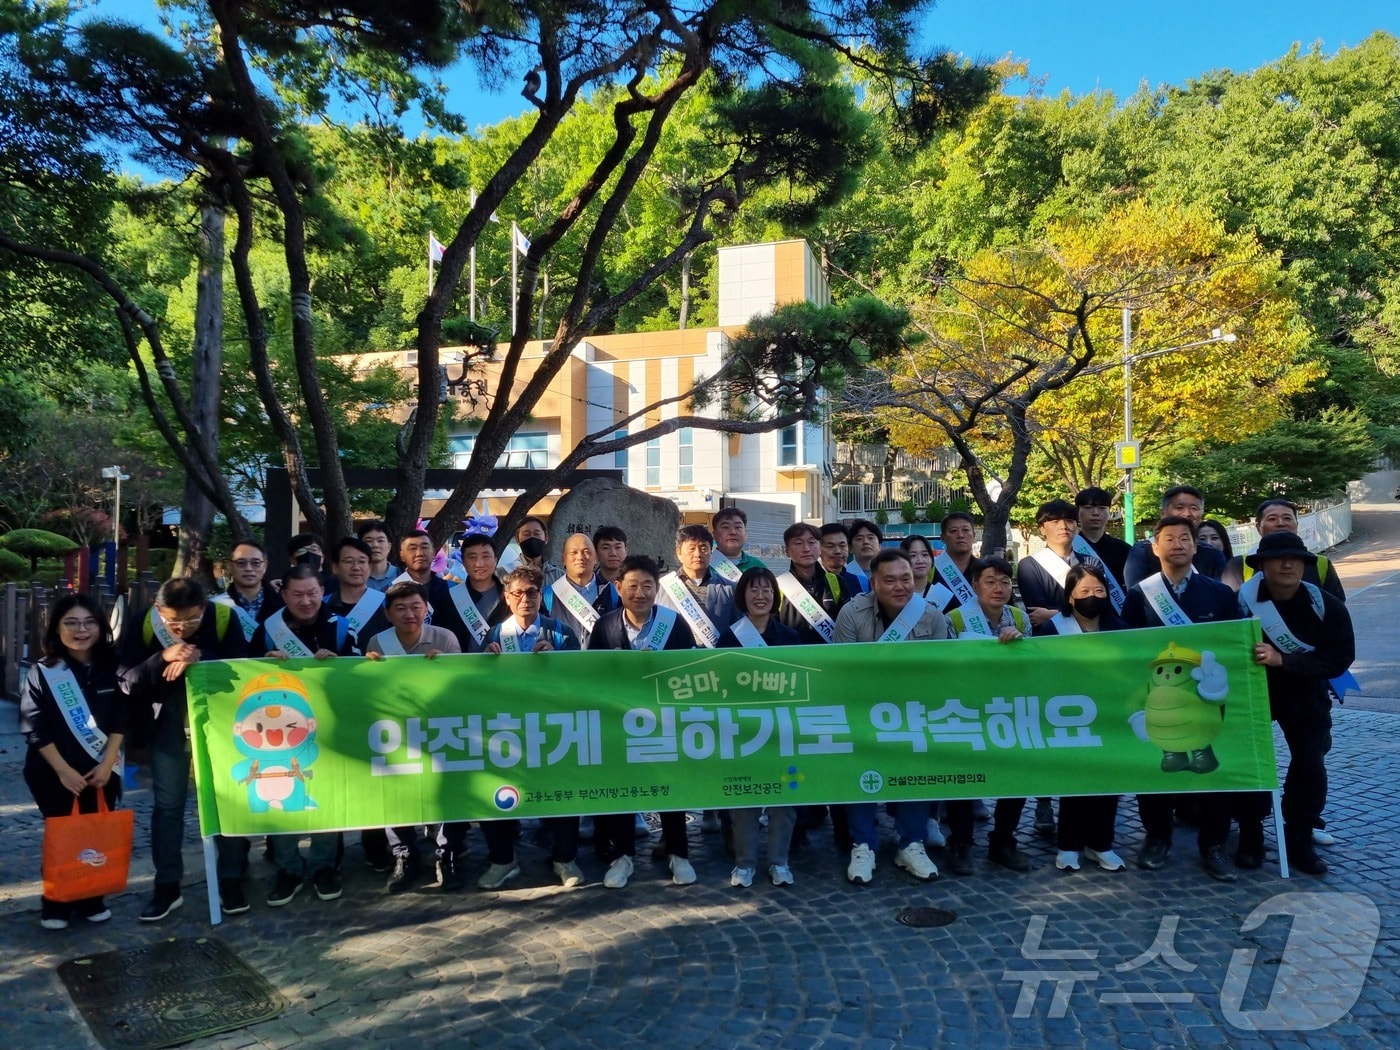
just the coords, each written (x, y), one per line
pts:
(211, 880)
(1278, 833)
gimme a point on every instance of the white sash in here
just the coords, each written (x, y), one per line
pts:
(245, 619)
(364, 609)
(808, 606)
(1087, 553)
(63, 684)
(748, 634)
(389, 643)
(937, 595)
(467, 610)
(511, 633)
(1271, 620)
(1163, 602)
(575, 602)
(905, 621)
(281, 637)
(1065, 624)
(953, 579)
(162, 632)
(700, 625)
(655, 639)
(974, 621)
(720, 562)
(1052, 563)
(863, 577)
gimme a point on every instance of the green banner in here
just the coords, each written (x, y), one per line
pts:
(348, 743)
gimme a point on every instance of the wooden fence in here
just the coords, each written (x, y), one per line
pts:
(24, 613)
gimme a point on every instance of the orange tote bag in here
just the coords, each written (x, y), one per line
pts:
(87, 854)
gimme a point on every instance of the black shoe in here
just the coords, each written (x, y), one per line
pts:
(958, 860)
(406, 874)
(165, 900)
(94, 909)
(231, 896)
(1008, 855)
(1154, 854)
(284, 888)
(1304, 858)
(1217, 866)
(326, 883)
(1175, 761)
(378, 858)
(1044, 817)
(1204, 761)
(451, 877)
(1249, 854)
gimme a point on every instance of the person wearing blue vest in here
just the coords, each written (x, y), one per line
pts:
(1179, 594)
(181, 628)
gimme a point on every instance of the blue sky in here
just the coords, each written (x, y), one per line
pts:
(1083, 46)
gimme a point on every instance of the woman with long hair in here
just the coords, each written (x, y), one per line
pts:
(74, 748)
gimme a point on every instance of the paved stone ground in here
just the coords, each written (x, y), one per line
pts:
(818, 964)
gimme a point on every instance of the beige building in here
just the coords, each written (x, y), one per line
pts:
(777, 477)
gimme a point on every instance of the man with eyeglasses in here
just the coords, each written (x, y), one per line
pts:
(352, 598)
(526, 631)
(251, 596)
(180, 629)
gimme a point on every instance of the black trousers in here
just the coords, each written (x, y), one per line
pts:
(1214, 806)
(500, 838)
(55, 800)
(1087, 821)
(614, 835)
(1004, 820)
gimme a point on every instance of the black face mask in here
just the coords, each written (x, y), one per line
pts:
(532, 548)
(1091, 608)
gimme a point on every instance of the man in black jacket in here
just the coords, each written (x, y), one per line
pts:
(1308, 640)
(180, 629)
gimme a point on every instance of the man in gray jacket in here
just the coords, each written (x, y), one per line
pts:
(890, 612)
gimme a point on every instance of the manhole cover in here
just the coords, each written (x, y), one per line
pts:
(925, 918)
(167, 993)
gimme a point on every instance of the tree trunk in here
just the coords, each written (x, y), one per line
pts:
(685, 290)
(196, 510)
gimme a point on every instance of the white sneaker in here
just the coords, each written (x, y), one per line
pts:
(682, 874)
(914, 859)
(862, 866)
(934, 835)
(569, 873)
(1067, 860)
(497, 875)
(741, 877)
(1108, 860)
(781, 875)
(1322, 838)
(619, 871)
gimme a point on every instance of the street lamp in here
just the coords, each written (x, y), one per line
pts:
(115, 474)
(1128, 452)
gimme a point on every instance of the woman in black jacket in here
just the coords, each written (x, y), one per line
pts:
(74, 716)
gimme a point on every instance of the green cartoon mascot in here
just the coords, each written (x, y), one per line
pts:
(1184, 710)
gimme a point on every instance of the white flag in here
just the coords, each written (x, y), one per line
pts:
(436, 249)
(522, 243)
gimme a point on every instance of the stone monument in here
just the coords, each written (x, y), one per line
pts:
(649, 521)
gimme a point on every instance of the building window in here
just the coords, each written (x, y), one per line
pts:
(522, 451)
(687, 457)
(787, 446)
(620, 456)
(654, 462)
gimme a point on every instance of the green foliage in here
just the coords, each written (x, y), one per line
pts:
(908, 512)
(935, 511)
(36, 543)
(1303, 460)
(882, 517)
(12, 567)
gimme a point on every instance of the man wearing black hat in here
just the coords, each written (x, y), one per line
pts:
(1308, 640)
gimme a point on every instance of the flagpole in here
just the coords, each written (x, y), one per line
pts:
(514, 273)
(471, 282)
(430, 263)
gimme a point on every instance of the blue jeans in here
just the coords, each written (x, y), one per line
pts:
(287, 854)
(170, 782)
(910, 822)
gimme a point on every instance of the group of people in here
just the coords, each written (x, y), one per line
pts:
(88, 694)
